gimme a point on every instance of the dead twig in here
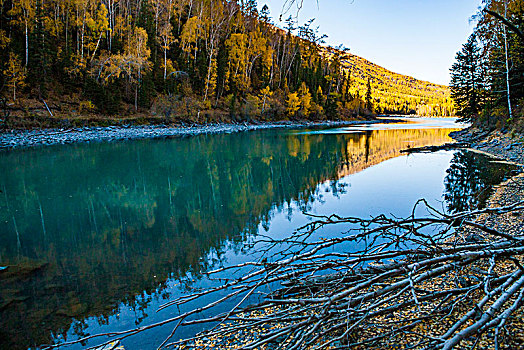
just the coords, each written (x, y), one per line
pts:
(381, 281)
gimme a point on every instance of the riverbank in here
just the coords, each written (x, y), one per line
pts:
(510, 148)
(502, 145)
(44, 137)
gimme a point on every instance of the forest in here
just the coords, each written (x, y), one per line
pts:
(186, 61)
(488, 75)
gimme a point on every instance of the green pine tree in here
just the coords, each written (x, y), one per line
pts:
(369, 98)
(467, 80)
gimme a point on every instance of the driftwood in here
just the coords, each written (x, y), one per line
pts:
(426, 281)
(444, 147)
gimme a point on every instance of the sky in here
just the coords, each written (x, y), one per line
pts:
(419, 38)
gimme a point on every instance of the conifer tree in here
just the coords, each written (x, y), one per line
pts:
(369, 99)
(264, 15)
(467, 80)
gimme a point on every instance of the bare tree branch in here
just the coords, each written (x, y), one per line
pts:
(381, 281)
(506, 22)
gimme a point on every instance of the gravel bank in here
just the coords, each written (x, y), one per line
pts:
(509, 192)
(496, 143)
(31, 138)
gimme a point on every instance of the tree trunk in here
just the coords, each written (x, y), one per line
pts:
(136, 97)
(83, 27)
(96, 48)
(507, 62)
(165, 62)
(111, 25)
(209, 71)
(26, 43)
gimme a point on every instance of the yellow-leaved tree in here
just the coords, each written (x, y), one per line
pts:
(292, 104)
(22, 14)
(98, 26)
(258, 50)
(305, 100)
(136, 59)
(266, 92)
(4, 39)
(14, 74)
(131, 64)
(191, 32)
(164, 10)
(237, 48)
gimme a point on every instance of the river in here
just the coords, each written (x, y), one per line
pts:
(96, 236)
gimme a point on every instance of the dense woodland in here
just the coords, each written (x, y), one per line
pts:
(488, 76)
(196, 60)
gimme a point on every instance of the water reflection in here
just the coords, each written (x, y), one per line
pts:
(399, 123)
(470, 179)
(374, 147)
(85, 228)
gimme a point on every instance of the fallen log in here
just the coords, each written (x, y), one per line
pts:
(444, 147)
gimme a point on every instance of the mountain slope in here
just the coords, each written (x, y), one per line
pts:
(395, 93)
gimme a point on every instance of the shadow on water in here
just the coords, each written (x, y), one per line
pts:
(89, 229)
(470, 179)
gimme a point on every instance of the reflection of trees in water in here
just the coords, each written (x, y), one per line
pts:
(114, 221)
(380, 145)
(469, 180)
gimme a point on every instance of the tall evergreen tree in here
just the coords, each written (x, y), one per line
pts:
(468, 80)
(369, 98)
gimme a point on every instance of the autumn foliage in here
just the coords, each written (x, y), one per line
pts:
(199, 60)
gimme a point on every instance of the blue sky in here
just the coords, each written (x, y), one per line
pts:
(413, 37)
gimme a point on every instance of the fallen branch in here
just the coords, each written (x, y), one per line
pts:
(382, 281)
(444, 147)
(48, 110)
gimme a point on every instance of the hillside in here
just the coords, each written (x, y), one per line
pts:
(170, 61)
(407, 94)
(395, 93)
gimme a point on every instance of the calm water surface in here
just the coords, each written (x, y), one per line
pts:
(97, 236)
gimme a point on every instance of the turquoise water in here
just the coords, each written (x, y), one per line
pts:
(97, 236)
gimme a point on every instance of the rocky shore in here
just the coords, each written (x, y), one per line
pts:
(510, 148)
(43, 137)
(502, 145)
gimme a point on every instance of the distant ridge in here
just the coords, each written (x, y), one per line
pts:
(408, 94)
